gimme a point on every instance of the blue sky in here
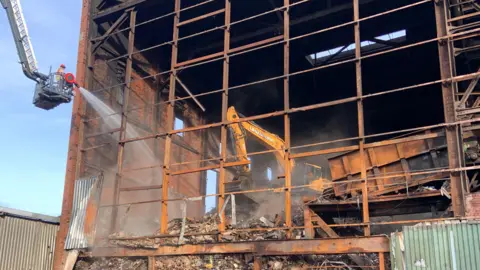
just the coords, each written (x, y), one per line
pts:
(34, 142)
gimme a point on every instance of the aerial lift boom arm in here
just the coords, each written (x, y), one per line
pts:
(22, 39)
(50, 90)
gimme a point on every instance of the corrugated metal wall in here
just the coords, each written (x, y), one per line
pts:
(26, 244)
(454, 246)
(76, 237)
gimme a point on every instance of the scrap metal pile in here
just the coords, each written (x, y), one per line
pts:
(228, 261)
(204, 262)
(301, 262)
(203, 231)
(111, 264)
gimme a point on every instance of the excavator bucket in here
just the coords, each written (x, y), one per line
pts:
(241, 181)
(321, 184)
(314, 177)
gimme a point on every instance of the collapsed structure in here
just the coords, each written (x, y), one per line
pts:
(352, 119)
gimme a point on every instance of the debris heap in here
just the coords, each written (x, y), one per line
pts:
(111, 264)
(205, 231)
(204, 262)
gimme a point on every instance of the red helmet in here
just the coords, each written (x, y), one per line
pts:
(62, 65)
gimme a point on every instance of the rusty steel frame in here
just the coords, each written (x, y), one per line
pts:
(266, 13)
(317, 152)
(368, 244)
(345, 100)
(302, 109)
(436, 177)
(350, 23)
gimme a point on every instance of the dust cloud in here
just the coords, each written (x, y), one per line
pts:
(135, 219)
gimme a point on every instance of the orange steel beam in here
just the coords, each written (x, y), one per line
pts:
(201, 17)
(351, 245)
(255, 44)
(381, 261)
(286, 119)
(199, 59)
(151, 263)
(361, 122)
(212, 167)
(224, 131)
(397, 197)
(257, 263)
(170, 120)
(307, 221)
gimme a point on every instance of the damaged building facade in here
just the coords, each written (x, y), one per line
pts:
(269, 134)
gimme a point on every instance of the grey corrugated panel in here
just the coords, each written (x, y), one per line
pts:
(28, 215)
(452, 246)
(26, 244)
(76, 237)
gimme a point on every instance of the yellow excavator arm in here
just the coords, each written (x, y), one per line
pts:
(271, 141)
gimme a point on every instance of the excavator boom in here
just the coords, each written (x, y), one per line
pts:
(268, 139)
(239, 130)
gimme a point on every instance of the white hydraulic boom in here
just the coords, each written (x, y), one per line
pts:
(50, 90)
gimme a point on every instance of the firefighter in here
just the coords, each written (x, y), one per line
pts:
(60, 72)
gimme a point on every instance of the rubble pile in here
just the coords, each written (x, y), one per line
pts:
(206, 225)
(235, 233)
(205, 230)
(203, 262)
(111, 264)
(341, 262)
(132, 243)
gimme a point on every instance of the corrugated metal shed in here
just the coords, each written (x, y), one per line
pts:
(27, 240)
(445, 246)
(76, 237)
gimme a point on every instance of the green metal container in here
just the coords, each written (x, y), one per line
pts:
(443, 246)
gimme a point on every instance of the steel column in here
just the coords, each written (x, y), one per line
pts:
(224, 128)
(151, 263)
(448, 95)
(381, 261)
(123, 123)
(286, 107)
(170, 121)
(361, 128)
(257, 263)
